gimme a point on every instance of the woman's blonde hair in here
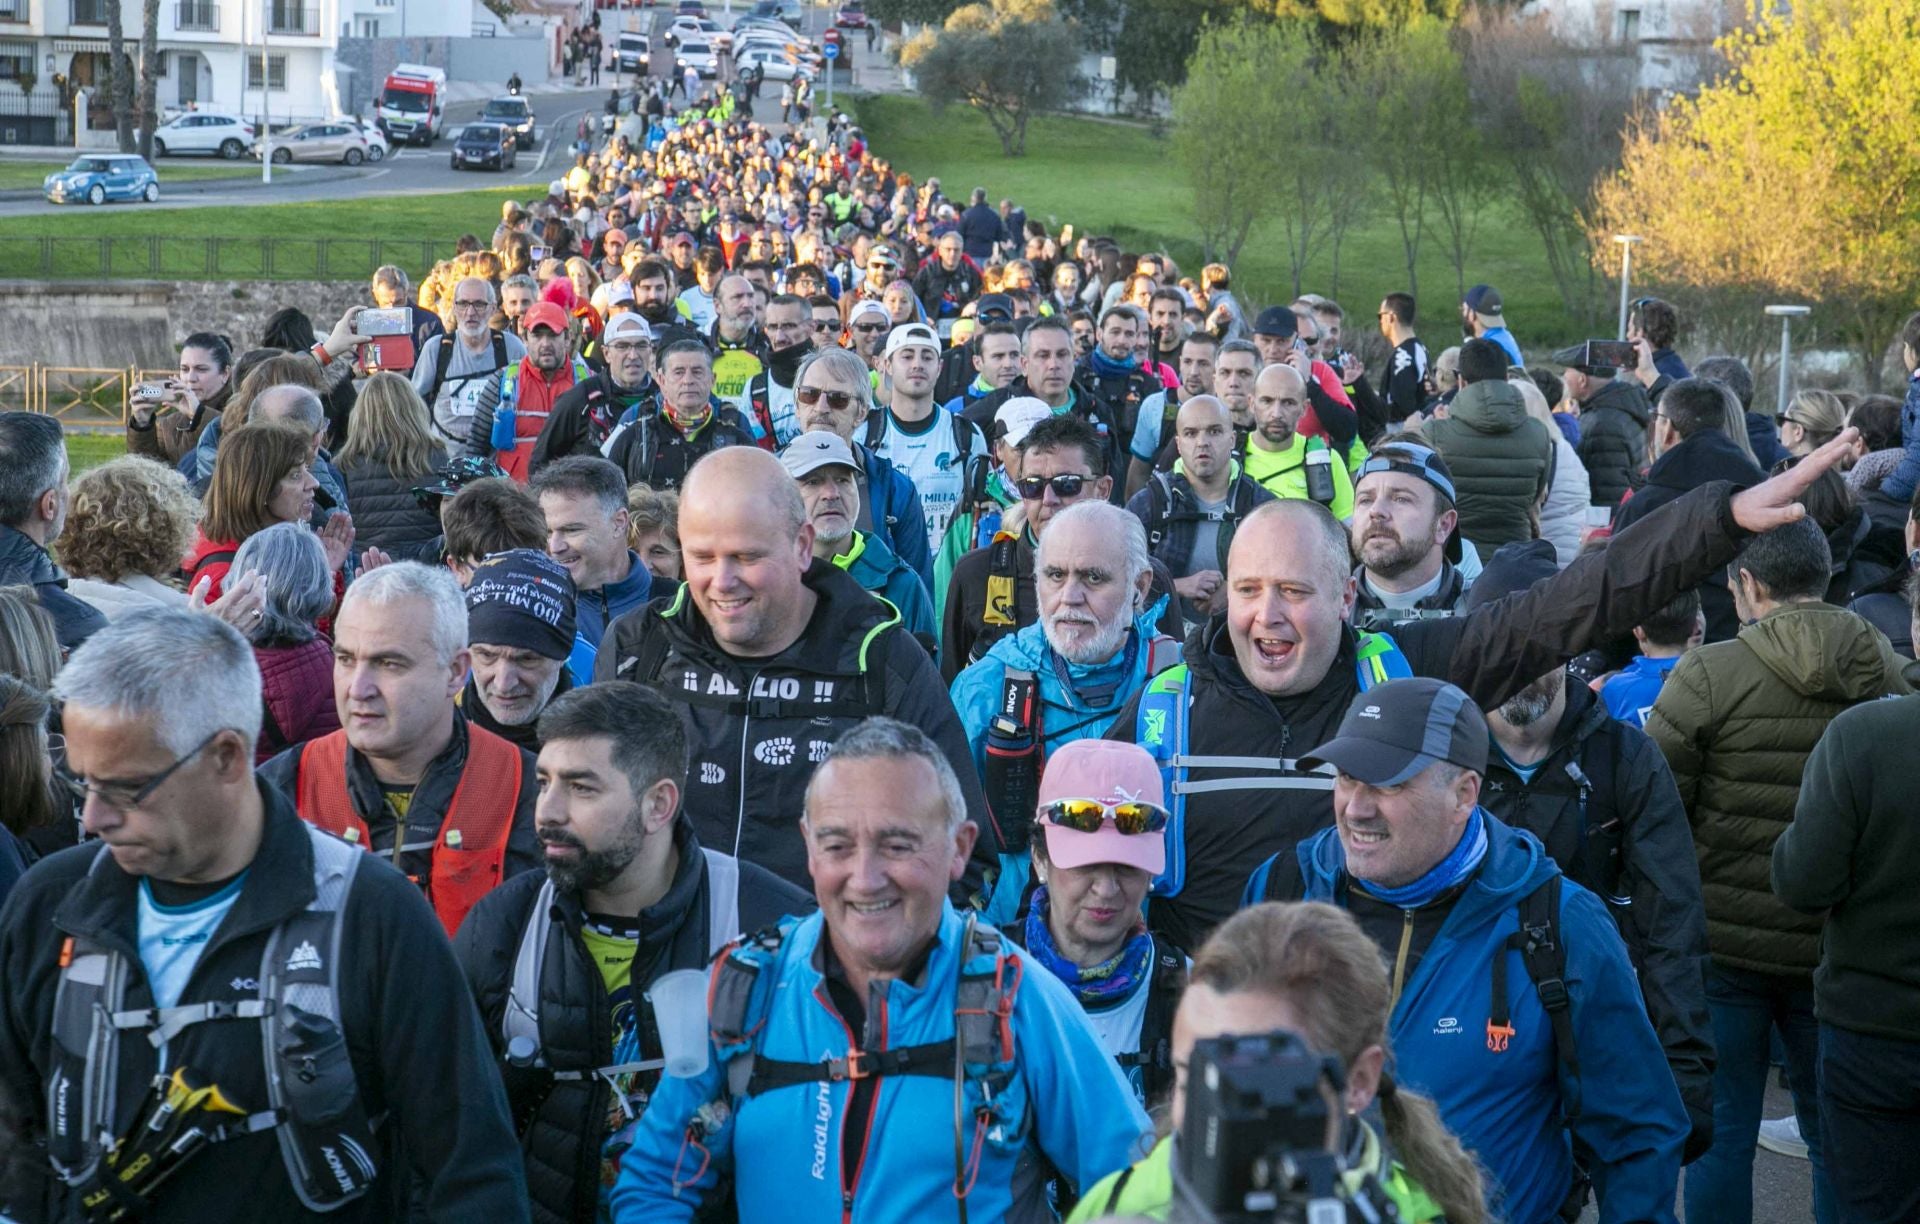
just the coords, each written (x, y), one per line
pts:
(1317, 958)
(651, 509)
(29, 645)
(130, 515)
(1821, 413)
(251, 462)
(389, 426)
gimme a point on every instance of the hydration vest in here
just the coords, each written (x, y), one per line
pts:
(1168, 505)
(979, 1058)
(1161, 727)
(313, 1105)
(468, 853)
(520, 1021)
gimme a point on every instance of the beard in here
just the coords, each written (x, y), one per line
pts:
(591, 868)
(1384, 553)
(1102, 644)
(1531, 704)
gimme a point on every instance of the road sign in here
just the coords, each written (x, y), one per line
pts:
(831, 51)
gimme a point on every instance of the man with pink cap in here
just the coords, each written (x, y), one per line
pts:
(1104, 820)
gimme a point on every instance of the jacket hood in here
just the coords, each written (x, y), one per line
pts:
(1492, 406)
(1618, 395)
(1516, 863)
(1820, 651)
(846, 619)
(876, 563)
(1707, 456)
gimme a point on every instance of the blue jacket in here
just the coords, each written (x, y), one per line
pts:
(1630, 692)
(893, 504)
(1504, 338)
(1066, 1097)
(1506, 1107)
(593, 611)
(879, 569)
(1900, 485)
(1063, 717)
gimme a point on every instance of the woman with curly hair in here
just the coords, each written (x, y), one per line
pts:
(129, 521)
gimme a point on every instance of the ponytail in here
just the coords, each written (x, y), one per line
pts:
(1432, 1157)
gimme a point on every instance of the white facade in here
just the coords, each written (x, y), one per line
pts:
(418, 19)
(212, 55)
(1673, 38)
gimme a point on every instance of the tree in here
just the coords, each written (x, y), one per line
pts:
(1796, 175)
(1005, 60)
(1551, 114)
(1406, 139)
(149, 75)
(1220, 139)
(119, 82)
(1461, 186)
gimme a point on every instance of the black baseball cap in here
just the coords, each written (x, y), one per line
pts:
(993, 308)
(1276, 321)
(1395, 730)
(1574, 358)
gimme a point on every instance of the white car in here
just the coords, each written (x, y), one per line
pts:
(746, 24)
(773, 62)
(378, 146)
(705, 29)
(699, 56)
(227, 136)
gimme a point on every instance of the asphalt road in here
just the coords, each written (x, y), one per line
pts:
(405, 171)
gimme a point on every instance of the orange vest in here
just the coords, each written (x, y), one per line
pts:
(470, 850)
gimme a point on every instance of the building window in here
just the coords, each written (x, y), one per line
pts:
(369, 27)
(1629, 25)
(276, 72)
(14, 65)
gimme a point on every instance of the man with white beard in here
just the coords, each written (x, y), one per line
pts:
(520, 630)
(1065, 676)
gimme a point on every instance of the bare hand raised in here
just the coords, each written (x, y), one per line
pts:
(1772, 503)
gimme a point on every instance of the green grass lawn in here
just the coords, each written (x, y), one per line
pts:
(91, 450)
(333, 239)
(1119, 178)
(29, 175)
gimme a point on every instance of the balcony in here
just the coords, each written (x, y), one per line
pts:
(15, 11)
(197, 15)
(284, 17)
(90, 12)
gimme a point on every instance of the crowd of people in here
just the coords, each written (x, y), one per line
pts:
(1002, 666)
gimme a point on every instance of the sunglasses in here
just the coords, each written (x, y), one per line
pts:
(872, 329)
(836, 400)
(1064, 486)
(1132, 818)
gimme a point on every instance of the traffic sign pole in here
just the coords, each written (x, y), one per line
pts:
(832, 52)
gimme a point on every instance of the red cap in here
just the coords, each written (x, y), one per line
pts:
(544, 314)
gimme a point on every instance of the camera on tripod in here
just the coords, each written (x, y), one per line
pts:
(1263, 1137)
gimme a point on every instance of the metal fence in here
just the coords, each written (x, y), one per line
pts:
(184, 257)
(80, 396)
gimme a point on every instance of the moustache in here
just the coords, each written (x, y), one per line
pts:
(560, 837)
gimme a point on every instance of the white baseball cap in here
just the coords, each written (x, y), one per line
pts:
(1017, 416)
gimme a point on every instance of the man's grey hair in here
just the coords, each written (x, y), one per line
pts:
(192, 674)
(434, 585)
(887, 739)
(291, 404)
(844, 366)
(520, 280)
(492, 297)
(393, 278)
(299, 583)
(1109, 522)
(33, 456)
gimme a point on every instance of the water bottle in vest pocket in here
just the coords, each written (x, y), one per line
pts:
(506, 428)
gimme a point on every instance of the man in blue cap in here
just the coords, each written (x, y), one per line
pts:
(1515, 1005)
(1481, 317)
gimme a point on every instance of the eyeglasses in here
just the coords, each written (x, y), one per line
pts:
(1132, 818)
(460, 305)
(628, 346)
(1064, 486)
(123, 796)
(836, 400)
(1784, 419)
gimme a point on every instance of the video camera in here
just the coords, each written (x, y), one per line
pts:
(1263, 1138)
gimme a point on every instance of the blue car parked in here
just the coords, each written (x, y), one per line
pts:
(99, 177)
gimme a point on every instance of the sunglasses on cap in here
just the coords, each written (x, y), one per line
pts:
(1065, 485)
(836, 400)
(1132, 818)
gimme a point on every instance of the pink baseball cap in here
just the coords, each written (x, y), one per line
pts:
(1111, 772)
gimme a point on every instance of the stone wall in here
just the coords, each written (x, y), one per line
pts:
(239, 309)
(112, 324)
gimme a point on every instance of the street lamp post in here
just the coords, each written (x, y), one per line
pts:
(1626, 242)
(1786, 315)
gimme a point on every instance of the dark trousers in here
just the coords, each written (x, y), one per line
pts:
(1870, 1118)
